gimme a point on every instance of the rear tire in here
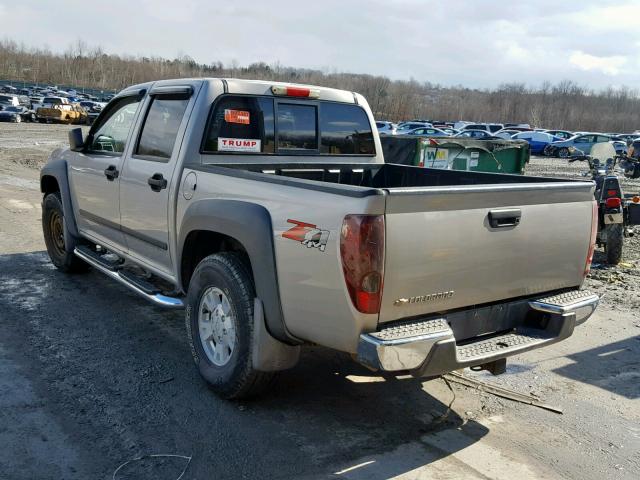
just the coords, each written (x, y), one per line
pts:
(615, 240)
(53, 227)
(563, 152)
(221, 337)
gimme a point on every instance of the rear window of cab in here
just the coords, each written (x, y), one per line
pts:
(243, 124)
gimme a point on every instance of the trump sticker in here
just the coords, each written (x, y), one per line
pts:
(239, 145)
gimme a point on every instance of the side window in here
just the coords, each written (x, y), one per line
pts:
(161, 126)
(111, 134)
(297, 128)
(602, 138)
(241, 124)
(345, 130)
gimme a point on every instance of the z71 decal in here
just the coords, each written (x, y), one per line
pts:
(307, 234)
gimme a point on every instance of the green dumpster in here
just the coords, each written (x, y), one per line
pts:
(452, 153)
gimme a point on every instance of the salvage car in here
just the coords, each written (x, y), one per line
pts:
(385, 128)
(581, 142)
(478, 134)
(267, 212)
(16, 114)
(427, 132)
(65, 113)
(9, 100)
(562, 134)
(538, 141)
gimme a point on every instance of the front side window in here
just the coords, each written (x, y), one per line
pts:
(241, 124)
(161, 126)
(110, 136)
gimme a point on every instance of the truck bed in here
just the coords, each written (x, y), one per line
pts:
(373, 175)
(444, 248)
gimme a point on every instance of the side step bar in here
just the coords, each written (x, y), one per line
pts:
(139, 286)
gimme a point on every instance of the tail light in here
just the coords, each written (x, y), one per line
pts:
(290, 91)
(362, 254)
(613, 202)
(592, 240)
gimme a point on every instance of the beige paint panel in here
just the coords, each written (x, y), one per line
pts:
(442, 251)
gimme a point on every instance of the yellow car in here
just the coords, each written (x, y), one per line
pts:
(69, 113)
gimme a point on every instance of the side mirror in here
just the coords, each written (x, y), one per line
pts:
(76, 140)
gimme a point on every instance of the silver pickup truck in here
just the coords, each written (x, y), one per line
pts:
(266, 211)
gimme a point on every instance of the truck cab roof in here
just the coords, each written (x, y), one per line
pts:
(251, 87)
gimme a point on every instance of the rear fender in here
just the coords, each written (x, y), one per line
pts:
(249, 224)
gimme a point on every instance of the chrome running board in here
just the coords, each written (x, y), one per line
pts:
(156, 298)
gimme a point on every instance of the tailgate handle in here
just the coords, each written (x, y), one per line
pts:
(508, 217)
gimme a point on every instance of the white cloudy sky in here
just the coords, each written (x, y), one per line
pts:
(474, 43)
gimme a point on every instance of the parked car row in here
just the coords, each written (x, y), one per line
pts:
(48, 108)
(556, 143)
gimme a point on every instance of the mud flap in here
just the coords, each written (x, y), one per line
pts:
(267, 353)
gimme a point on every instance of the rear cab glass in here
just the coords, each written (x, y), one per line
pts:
(244, 124)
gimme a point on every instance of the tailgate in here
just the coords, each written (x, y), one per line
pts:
(453, 247)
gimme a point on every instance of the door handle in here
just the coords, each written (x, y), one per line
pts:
(507, 217)
(157, 182)
(111, 172)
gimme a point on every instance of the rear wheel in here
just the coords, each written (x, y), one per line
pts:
(615, 239)
(60, 253)
(219, 321)
(563, 152)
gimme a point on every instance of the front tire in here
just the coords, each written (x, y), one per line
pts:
(613, 247)
(219, 321)
(53, 228)
(563, 152)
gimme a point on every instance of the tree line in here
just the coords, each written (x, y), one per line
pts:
(563, 105)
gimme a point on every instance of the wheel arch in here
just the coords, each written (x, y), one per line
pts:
(53, 178)
(212, 226)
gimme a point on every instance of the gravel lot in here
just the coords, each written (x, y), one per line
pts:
(91, 376)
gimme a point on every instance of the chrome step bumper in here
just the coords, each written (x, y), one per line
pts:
(429, 348)
(112, 271)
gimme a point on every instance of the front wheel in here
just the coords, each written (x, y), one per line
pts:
(615, 239)
(60, 253)
(219, 321)
(563, 152)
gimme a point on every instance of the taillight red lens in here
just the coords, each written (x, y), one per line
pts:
(592, 240)
(362, 253)
(613, 202)
(612, 193)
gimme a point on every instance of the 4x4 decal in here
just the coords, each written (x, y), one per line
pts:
(307, 234)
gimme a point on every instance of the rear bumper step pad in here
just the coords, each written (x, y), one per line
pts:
(428, 347)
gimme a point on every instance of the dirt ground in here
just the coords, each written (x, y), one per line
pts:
(91, 376)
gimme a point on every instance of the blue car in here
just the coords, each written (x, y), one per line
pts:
(538, 141)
